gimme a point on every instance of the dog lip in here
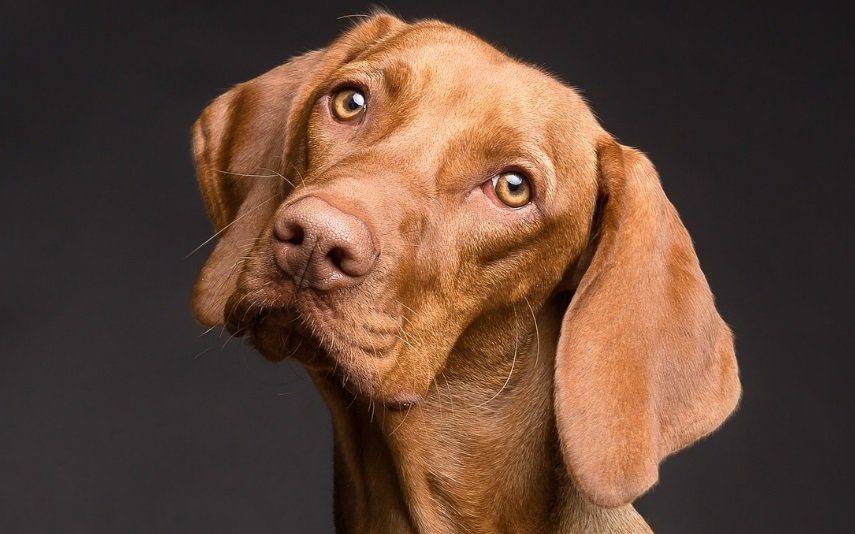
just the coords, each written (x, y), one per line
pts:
(366, 391)
(242, 314)
(401, 401)
(241, 324)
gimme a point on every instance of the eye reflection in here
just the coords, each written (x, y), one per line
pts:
(348, 104)
(512, 189)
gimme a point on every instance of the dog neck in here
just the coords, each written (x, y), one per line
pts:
(464, 459)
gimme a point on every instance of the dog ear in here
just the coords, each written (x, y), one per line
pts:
(645, 365)
(247, 151)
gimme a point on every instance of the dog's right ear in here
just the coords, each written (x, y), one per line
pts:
(238, 143)
(246, 146)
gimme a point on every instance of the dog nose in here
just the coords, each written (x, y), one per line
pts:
(322, 247)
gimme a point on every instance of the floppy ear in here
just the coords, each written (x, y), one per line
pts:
(645, 365)
(246, 145)
(237, 143)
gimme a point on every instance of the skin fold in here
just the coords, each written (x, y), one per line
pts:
(488, 368)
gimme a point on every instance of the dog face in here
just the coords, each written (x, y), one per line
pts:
(440, 172)
(407, 193)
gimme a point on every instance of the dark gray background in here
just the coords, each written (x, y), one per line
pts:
(116, 415)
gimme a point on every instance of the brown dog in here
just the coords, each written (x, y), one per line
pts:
(497, 301)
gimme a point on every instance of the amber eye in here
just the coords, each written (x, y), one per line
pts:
(512, 189)
(348, 104)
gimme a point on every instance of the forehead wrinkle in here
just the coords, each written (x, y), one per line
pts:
(431, 44)
(395, 76)
(431, 56)
(361, 71)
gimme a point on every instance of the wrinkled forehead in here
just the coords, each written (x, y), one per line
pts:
(442, 54)
(461, 87)
(455, 68)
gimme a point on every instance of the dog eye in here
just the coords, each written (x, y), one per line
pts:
(512, 189)
(348, 104)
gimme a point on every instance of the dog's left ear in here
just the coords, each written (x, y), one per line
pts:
(645, 365)
(247, 150)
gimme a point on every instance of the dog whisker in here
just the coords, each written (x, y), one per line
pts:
(353, 16)
(450, 396)
(299, 174)
(513, 363)
(405, 306)
(536, 330)
(224, 228)
(200, 354)
(276, 173)
(227, 341)
(410, 407)
(208, 331)
(273, 174)
(405, 341)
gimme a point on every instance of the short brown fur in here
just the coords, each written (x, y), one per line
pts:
(498, 370)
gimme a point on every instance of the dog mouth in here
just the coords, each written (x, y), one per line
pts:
(316, 335)
(275, 327)
(375, 334)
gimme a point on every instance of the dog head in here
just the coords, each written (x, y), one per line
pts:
(398, 196)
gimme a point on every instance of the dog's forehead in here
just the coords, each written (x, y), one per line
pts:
(454, 66)
(463, 106)
(444, 77)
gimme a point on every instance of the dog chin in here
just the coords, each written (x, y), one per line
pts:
(277, 336)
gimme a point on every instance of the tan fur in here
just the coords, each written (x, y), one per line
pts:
(498, 370)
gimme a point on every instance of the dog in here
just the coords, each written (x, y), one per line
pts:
(498, 303)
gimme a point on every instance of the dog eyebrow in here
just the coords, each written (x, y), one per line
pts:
(502, 145)
(395, 76)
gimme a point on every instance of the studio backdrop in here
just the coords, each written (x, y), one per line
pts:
(118, 413)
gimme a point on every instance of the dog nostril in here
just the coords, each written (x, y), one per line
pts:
(291, 233)
(297, 236)
(336, 256)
